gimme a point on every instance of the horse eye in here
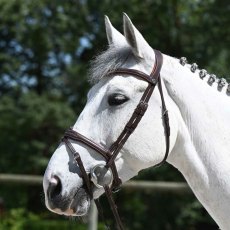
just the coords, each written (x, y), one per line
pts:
(117, 99)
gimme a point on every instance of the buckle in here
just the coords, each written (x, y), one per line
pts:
(116, 187)
(130, 128)
(153, 81)
(141, 108)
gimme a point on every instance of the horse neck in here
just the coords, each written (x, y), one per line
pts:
(201, 151)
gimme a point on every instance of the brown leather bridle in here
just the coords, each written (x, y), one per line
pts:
(111, 153)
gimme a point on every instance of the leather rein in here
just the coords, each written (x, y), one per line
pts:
(110, 154)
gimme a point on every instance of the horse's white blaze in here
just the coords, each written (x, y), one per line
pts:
(200, 130)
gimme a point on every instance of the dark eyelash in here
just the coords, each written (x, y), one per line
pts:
(117, 99)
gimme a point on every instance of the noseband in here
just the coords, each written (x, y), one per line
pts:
(109, 171)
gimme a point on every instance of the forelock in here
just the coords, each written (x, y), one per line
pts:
(107, 61)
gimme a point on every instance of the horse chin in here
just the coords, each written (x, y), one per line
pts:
(80, 204)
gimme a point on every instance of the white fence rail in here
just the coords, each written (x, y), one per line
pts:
(144, 186)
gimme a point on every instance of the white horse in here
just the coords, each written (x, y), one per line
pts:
(199, 115)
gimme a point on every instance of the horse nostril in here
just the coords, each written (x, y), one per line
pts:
(55, 198)
(54, 188)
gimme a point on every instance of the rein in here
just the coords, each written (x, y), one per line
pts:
(109, 170)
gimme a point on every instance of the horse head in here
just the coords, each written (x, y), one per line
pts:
(111, 102)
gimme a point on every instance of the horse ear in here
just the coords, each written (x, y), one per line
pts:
(134, 38)
(114, 37)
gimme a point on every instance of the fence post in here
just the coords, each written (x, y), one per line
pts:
(93, 217)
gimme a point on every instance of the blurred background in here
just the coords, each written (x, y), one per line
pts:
(45, 49)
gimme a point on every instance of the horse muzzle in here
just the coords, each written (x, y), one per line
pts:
(76, 203)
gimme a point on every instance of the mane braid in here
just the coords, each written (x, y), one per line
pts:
(221, 82)
(107, 61)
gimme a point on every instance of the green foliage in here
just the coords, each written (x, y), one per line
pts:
(45, 48)
(17, 219)
(31, 127)
(21, 219)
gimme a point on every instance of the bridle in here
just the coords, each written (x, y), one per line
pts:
(109, 170)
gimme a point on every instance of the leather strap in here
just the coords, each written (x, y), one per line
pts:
(166, 125)
(77, 158)
(113, 206)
